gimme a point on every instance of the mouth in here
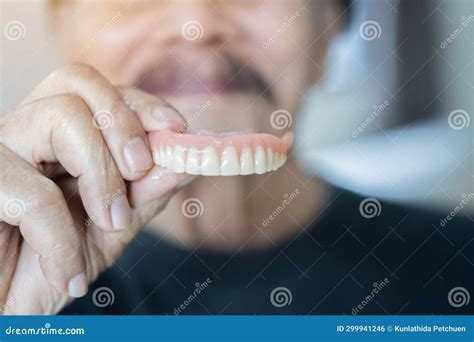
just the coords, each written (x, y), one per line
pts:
(194, 84)
(213, 76)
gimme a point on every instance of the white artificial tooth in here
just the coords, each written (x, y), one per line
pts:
(162, 156)
(169, 157)
(192, 162)
(230, 162)
(279, 161)
(247, 165)
(269, 166)
(276, 159)
(179, 161)
(156, 157)
(260, 160)
(210, 163)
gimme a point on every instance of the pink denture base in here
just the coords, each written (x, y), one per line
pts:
(219, 141)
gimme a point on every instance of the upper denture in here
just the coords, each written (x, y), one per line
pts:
(213, 154)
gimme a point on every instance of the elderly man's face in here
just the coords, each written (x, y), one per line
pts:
(227, 65)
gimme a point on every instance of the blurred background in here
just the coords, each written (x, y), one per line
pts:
(393, 115)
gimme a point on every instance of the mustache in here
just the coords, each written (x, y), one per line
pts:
(260, 84)
(225, 71)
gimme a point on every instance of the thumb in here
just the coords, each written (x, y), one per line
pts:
(157, 183)
(150, 196)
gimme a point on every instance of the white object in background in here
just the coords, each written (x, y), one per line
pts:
(421, 163)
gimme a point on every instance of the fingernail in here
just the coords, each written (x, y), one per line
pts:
(137, 156)
(168, 118)
(121, 213)
(77, 286)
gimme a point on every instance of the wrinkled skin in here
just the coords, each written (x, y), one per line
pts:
(75, 190)
(67, 167)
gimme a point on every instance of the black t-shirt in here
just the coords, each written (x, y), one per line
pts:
(403, 261)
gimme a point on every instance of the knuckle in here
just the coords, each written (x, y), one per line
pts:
(79, 68)
(73, 70)
(70, 103)
(69, 112)
(45, 195)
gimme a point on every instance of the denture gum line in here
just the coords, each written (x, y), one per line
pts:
(227, 154)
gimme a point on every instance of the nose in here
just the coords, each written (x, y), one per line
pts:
(197, 22)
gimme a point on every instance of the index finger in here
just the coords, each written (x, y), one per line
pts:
(122, 130)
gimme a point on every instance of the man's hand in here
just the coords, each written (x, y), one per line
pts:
(66, 211)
